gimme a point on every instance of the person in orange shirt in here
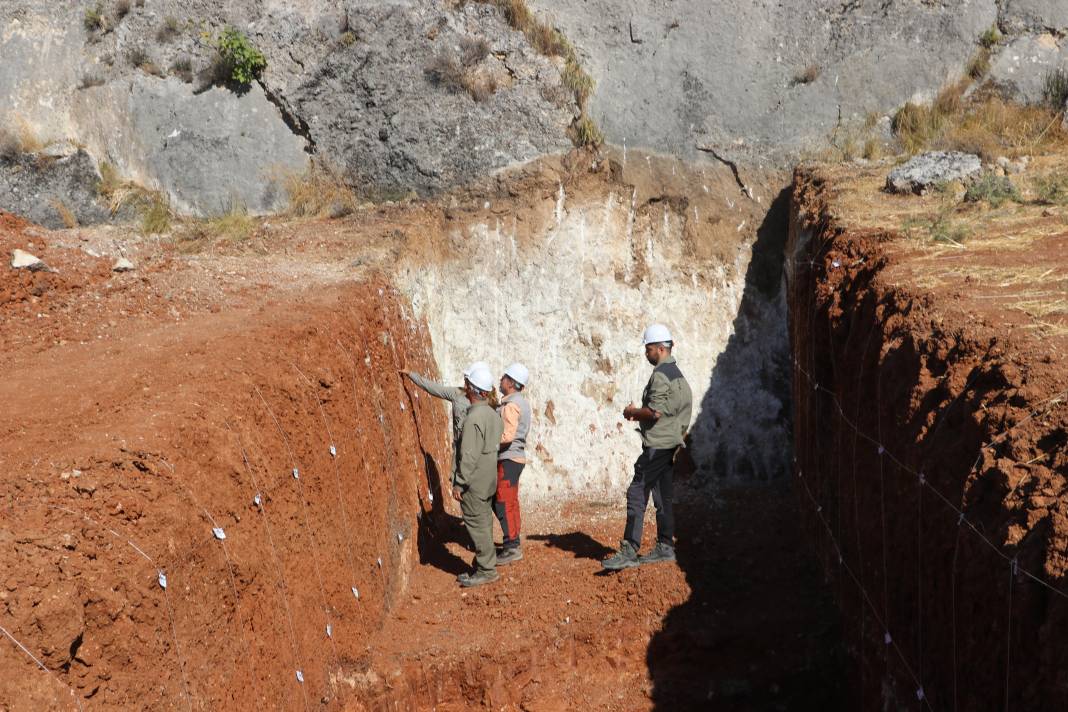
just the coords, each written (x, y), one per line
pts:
(516, 415)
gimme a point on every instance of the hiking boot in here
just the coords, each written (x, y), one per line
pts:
(660, 552)
(509, 554)
(626, 557)
(478, 579)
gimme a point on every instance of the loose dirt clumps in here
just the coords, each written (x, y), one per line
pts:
(930, 390)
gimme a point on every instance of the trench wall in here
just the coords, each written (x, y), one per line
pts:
(931, 473)
(564, 270)
(266, 460)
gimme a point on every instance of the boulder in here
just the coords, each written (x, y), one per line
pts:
(52, 191)
(929, 169)
(122, 265)
(1037, 14)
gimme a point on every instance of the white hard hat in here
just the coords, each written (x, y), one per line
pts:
(518, 373)
(480, 377)
(656, 334)
(472, 367)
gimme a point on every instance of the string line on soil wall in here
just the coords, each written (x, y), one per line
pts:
(316, 548)
(922, 483)
(298, 655)
(41, 665)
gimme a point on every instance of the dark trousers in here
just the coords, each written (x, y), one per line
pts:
(506, 502)
(653, 473)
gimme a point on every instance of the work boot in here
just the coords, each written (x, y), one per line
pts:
(509, 554)
(478, 578)
(626, 557)
(660, 552)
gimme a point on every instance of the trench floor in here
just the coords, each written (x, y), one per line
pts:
(743, 622)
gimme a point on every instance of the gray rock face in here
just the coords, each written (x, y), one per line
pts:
(207, 152)
(731, 76)
(52, 191)
(929, 169)
(1021, 67)
(345, 79)
(1036, 14)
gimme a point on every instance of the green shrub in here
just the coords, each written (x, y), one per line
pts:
(155, 214)
(994, 189)
(991, 37)
(238, 60)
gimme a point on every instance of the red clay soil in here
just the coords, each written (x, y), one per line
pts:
(917, 401)
(142, 410)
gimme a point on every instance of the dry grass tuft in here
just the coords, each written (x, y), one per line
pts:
(807, 75)
(155, 213)
(584, 133)
(168, 30)
(19, 141)
(64, 213)
(453, 74)
(473, 51)
(319, 192)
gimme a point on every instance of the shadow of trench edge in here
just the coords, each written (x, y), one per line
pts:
(683, 656)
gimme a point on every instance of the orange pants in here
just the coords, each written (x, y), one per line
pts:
(506, 501)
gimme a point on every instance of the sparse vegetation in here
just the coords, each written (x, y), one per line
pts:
(451, 73)
(872, 149)
(585, 134)
(155, 213)
(9, 146)
(238, 61)
(183, 69)
(473, 51)
(19, 142)
(980, 64)
(941, 228)
(984, 125)
(807, 75)
(993, 189)
(235, 225)
(168, 30)
(122, 9)
(137, 57)
(91, 78)
(1051, 189)
(348, 38)
(319, 192)
(93, 19)
(1055, 89)
(991, 37)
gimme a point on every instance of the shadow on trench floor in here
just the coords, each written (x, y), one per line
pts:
(760, 630)
(742, 622)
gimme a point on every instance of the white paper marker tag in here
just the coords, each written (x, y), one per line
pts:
(162, 580)
(296, 473)
(258, 500)
(400, 538)
(219, 533)
(329, 631)
(333, 451)
(356, 592)
(887, 639)
(300, 676)
(379, 562)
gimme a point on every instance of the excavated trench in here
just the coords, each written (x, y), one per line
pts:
(242, 508)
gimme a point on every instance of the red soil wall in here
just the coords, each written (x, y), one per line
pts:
(119, 458)
(891, 383)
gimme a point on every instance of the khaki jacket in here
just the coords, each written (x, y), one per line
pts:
(669, 394)
(479, 443)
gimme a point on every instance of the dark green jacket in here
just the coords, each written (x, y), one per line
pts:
(669, 394)
(479, 443)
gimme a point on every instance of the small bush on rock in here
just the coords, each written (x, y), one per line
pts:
(93, 20)
(91, 79)
(584, 133)
(122, 9)
(473, 51)
(1051, 189)
(168, 30)
(991, 37)
(807, 75)
(238, 61)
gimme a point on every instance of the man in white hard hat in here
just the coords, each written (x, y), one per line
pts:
(516, 416)
(475, 482)
(663, 420)
(457, 396)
